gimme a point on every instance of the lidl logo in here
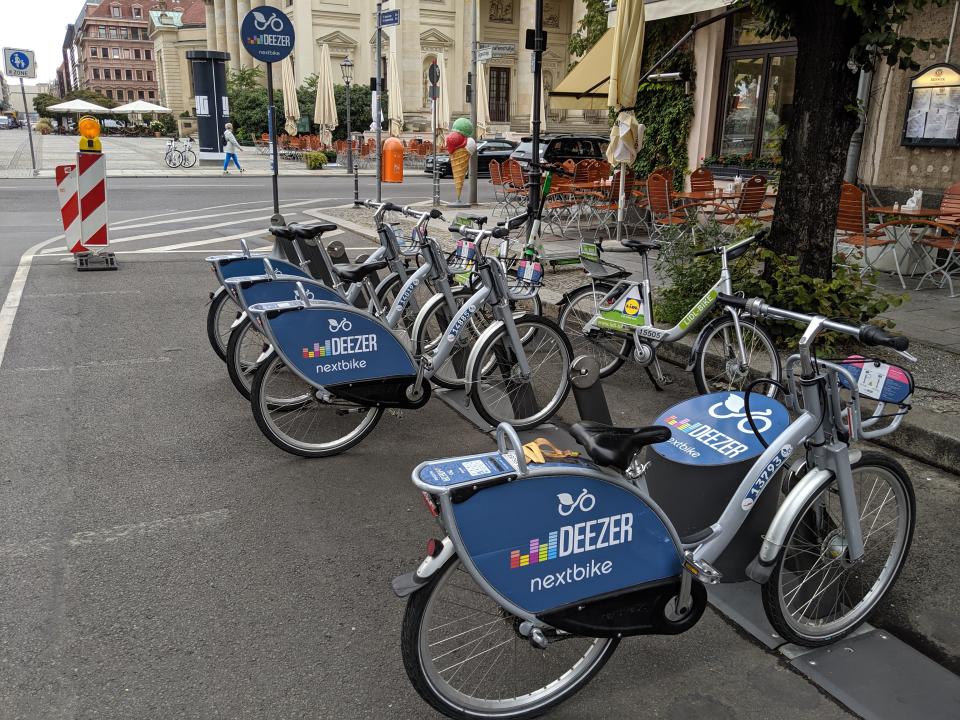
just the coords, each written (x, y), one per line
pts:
(632, 307)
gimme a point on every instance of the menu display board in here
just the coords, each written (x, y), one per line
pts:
(933, 108)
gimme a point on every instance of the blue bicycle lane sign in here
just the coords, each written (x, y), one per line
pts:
(19, 63)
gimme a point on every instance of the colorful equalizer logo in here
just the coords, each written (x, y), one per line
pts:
(318, 350)
(538, 553)
(682, 425)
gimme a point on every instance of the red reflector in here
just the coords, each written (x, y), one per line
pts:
(431, 506)
(434, 547)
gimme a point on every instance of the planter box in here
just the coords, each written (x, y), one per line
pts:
(729, 172)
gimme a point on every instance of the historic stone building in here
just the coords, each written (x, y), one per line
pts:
(174, 33)
(427, 27)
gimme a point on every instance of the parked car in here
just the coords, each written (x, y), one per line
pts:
(495, 149)
(560, 148)
(5, 122)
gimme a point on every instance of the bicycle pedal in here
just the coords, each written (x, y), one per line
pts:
(701, 569)
(396, 412)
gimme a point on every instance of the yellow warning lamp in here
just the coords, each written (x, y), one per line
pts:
(89, 128)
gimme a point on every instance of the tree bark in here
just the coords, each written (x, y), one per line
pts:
(815, 148)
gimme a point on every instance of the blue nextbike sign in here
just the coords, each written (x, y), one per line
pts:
(267, 34)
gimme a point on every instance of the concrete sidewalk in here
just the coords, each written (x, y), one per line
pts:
(131, 157)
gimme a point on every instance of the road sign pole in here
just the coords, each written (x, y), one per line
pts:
(474, 161)
(376, 110)
(277, 218)
(26, 112)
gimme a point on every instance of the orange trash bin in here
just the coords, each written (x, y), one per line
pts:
(392, 171)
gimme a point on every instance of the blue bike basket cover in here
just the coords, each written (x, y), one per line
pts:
(240, 266)
(878, 380)
(546, 541)
(334, 345)
(463, 257)
(269, 289)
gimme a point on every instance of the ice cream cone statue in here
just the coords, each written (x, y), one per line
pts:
(460, 146)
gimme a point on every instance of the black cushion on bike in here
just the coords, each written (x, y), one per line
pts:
(281, 231)
(312, 230)
(354, 272)
(616, 446)
(641, 246)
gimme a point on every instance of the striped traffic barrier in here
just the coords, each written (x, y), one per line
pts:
(92, 193)
(66, 176)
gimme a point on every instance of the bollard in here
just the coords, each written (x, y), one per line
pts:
(587, 390)
(337, 253)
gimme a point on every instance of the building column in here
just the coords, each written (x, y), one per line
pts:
(233, 34)
(524, 92)
(220, 22)
(245, 58)
(211, 26)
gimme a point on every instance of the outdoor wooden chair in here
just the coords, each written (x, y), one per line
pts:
(701, 180)
(499, 194)
(854, 230)
(944, 245)
(749, 205)
(664, 213)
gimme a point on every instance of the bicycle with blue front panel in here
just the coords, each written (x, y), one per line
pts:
(545, 566)
(337, 368)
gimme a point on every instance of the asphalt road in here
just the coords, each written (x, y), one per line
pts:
(160, 559)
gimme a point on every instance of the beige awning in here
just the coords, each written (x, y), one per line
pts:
(585, 87)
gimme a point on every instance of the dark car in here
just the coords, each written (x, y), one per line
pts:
(560, 148)
(496, 149)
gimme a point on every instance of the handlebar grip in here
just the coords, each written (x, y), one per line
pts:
(392, 208)
(708, 251)
(761, 237)
(455, 228)
(499, 232)
(435, 214)
(732, 300)
(517, 222)
(872, 335)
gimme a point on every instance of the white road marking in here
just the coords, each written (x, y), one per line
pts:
(193, 210)
(8, 311)
(169, 221)
(78, 294)
(92, 364)
(105, 536)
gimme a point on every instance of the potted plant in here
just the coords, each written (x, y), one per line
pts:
(157, 128)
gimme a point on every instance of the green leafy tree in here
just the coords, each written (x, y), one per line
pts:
(835, 39)
(360, 111)
(590, 28)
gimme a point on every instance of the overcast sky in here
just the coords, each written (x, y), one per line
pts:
(38, 25)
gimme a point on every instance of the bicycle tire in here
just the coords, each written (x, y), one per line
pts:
(736, 378)
(440, 694)
(173, 158)
(431, 329)
(610, 358)
(245, 343)
(387, 295)
(219, 325)
(267, 407)
(493, 386)
(815, 519)
(189, 158)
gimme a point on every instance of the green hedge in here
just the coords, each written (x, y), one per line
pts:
(315, 160)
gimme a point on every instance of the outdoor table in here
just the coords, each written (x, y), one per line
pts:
(904, 234)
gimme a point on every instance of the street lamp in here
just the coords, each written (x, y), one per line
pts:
(346, 67)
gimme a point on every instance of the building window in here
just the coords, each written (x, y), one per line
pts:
(101, 31)
(96, 74)
(126, 53)
(129, 74)
(93, 52)
(151, 94)
(104, 52)
(136, 53)
(140, 94)
(498, 93)
(129, 94)
(137, 12)
(115, 11)
(147, 55)
(139, 74)
(115, 53)
(110, 94)
(124, 33)
(150, 75)
(757, 86)
(113, 33)
(135, 34)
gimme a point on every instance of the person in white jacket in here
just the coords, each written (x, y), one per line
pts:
(231, 147)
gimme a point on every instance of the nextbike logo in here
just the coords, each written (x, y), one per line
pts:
(576, 539)
(735, 407)
(766, 476)
(719, 442)
(461, 321)
(342, 345)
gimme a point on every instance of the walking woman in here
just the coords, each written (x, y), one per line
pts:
(231, 147)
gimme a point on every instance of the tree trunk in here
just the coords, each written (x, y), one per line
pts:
(815, 148)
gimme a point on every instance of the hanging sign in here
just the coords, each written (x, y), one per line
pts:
(267, 34)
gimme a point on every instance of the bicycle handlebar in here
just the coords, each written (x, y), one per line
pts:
(867, 334)
(759, 238)
(432, 214)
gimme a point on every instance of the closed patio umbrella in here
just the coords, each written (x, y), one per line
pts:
(483, 104)
(291, 108)
(325, 107)
(626, 135)
(543, 111)
(395, 97)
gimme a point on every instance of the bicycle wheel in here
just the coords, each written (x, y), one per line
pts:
(173, 158)
(499, 391)
(245, 347)
(188, 158)
(815, 596)
(718, 366)
(450, 373)
(465, 656)
(221, 314)
(609, 349)
(289, 413)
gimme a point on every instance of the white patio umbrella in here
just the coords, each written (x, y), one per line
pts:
(140, 106)
(395, 98)
(626, 135)
(325, 107)
(79, 106)
(483, 104)
(288, 83)
(443, 105)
